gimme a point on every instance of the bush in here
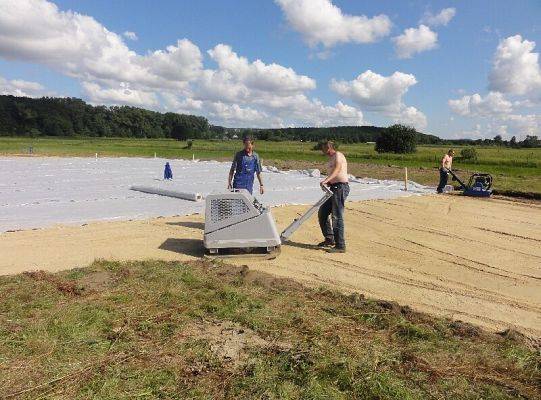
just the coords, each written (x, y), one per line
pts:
(397, 139)
(468, 154)
(189, 144)
(34, 132)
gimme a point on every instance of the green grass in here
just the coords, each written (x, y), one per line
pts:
(159, 330)
(513, 169)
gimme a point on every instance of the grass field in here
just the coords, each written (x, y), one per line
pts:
(207, 330)
(512, 169)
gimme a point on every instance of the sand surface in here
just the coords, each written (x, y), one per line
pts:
(470, 259)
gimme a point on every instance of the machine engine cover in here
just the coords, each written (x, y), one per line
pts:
(237, 220)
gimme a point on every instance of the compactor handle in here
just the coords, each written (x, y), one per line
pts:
(299, 221)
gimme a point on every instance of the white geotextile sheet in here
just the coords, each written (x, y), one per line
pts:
(37, 192)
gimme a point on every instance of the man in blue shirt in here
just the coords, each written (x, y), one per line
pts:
(245, 164)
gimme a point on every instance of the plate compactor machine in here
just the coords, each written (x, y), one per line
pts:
(237, 224)
(479, 185)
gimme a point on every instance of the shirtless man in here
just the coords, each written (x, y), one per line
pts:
(337, 180)
(445, 166)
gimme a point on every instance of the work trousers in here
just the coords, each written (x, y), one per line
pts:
(443, 179)
(333, 228)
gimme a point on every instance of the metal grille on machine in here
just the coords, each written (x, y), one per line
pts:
(221, 209)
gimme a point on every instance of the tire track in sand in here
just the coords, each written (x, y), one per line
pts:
(474, 262)
(489, 296)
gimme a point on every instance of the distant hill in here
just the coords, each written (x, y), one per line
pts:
(50, 116)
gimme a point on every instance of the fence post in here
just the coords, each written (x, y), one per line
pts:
(406, 179)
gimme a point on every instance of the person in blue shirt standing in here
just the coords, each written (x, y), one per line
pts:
(245, 165)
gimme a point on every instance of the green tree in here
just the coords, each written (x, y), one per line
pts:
(397, 139)
(530, 141)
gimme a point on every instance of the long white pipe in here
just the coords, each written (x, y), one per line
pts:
(168, 193)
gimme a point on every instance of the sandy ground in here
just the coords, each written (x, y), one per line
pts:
(470, 259)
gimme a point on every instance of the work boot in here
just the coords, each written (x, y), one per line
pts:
(336, 249)
(326, 243)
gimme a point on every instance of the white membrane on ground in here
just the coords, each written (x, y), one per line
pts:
(38, 192)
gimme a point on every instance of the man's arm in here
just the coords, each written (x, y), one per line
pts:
(231, 173)
(258, 169)
(261, 190)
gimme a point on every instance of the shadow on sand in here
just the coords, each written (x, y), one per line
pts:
(188, 224)
(190, 247)
(302, 245)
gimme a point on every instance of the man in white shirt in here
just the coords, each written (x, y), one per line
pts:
(445, 166)
(337, 180)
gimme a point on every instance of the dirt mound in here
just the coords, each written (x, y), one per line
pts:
(228, 341)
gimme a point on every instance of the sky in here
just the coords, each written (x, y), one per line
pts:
(455, 69)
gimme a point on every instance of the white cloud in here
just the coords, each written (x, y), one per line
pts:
(308, 112)
(320, 21)
(258, 75)
(185, 106)
(180, 63)
(374, 92)
(235, 115)
(496, 128)
(493, 103)
(499, 115)
(415, 40)
(410, 116)
(522, 125)
(79, 46)
(277, 92)
(236, 91)
(323, 55)
(442, 18)
(238, 80)
(130, 35)
(515, 84)
(120, 95)
(516, 69)
(507, 125)
(475, 133)
(18, 87)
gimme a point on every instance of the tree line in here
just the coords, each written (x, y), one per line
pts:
(530, 141)
(343, 134)
(49, 116)
(65, 117)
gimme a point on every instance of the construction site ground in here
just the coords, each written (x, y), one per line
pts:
(475, 260)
